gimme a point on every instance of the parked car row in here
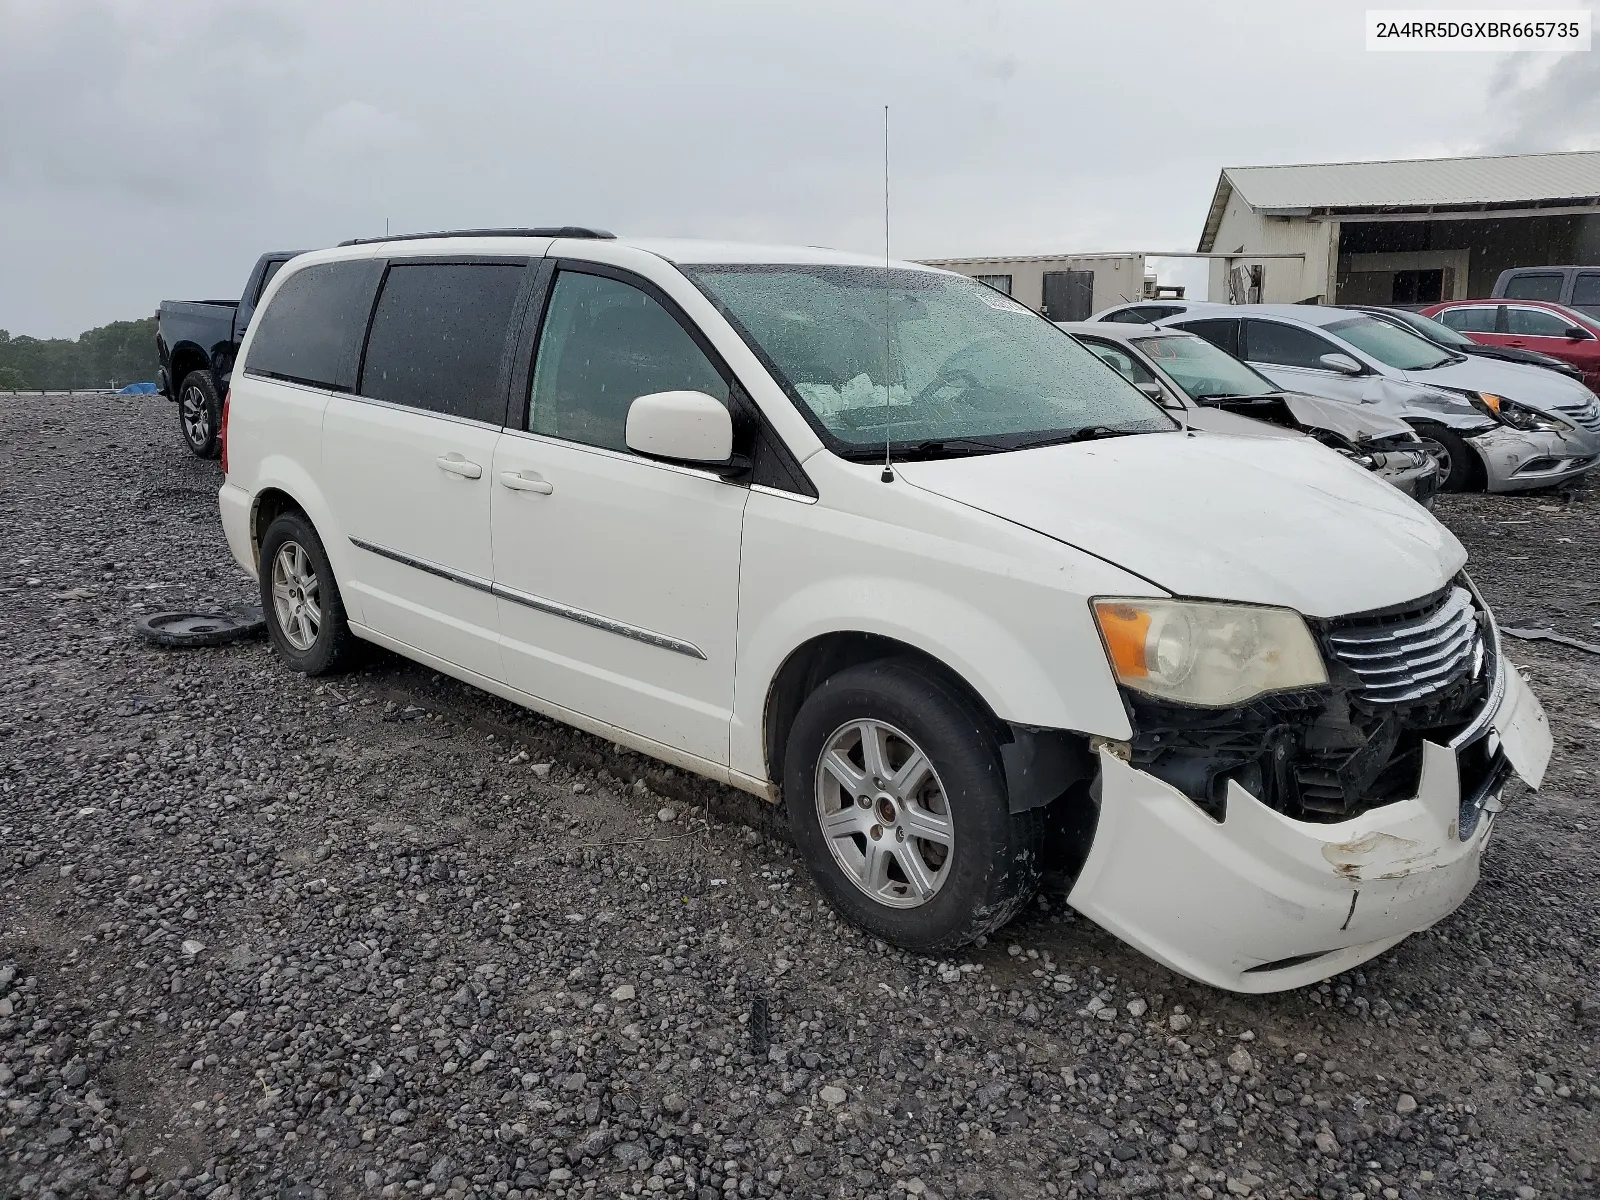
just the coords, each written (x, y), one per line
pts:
(1209, 389)
(969, 596)
(1503, 426)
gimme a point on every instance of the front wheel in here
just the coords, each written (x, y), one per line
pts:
(897, 800)
(200, 414)
(1459, 469)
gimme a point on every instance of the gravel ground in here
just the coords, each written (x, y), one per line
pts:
(389, 936)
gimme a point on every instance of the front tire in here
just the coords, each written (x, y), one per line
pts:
(1459, 468)
(300, 598)
(200, 414)
(897, 800)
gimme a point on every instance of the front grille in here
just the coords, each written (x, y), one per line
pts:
(1584, 413)
(1411, 654)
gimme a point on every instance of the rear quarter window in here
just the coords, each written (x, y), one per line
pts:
(311, 329)
(1222, 333)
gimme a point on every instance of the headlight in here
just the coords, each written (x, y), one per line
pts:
(1216, 655)
(1518, 416)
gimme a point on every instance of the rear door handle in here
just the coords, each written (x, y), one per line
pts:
(526, 481)
(457, 465)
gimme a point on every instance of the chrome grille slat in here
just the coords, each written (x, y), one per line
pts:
(1403, 659)
(1585, 412)
(1459, 602)
(1410, 658)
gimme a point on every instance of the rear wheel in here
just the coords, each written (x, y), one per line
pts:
(1459, 468)
(199, 414)
(897, 800)
(301, 601)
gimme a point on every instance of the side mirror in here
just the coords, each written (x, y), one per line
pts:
(1577, 333)
(1154, 391)
(688, 427)
(1342, 363)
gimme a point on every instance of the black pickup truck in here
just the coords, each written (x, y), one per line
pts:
(197, 341)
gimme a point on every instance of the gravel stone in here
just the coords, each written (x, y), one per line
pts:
(418, 939)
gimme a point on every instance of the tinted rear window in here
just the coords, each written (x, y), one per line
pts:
(438, 336)
(311, 330)
(1534, 287)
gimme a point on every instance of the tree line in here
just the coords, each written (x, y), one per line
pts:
(120, 353)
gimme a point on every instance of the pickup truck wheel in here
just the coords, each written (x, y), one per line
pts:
(199, 414)
(1459, 468)
(300, 599)
(897, 799)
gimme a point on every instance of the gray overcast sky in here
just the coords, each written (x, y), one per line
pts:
(150, 149)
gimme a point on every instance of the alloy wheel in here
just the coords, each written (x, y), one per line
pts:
(295, 597)
(884, 813)
(1440, 453)
(195, 414)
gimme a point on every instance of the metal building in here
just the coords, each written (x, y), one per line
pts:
(1398, 232)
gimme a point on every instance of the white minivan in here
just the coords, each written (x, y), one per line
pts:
(878, 543)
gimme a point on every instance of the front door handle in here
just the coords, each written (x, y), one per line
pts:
(456, 465)
(526, 481)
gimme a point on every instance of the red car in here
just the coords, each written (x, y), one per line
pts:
(1552, 329)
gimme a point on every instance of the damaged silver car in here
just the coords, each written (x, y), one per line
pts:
(1211, 390)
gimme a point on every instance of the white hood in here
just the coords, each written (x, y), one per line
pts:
(1264, 521)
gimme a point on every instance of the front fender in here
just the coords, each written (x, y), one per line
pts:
(1007, 612)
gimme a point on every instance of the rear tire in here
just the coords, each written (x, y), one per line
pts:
(1459, 468)
(300, 599)
(200, 414)
(977, 864)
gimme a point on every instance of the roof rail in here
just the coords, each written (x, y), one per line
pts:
(542, 231)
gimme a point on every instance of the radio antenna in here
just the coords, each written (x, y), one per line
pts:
(888, 357)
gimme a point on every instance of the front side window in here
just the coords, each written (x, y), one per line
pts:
(1203, 371)
(1286, 345)
(1536, 322)
(1546, 286)
(1586, 293)
(1122, 362)
(1478, 318)
(438, 337)
(604, 344)
(916, 358)
(1391, 345)
(311, 331)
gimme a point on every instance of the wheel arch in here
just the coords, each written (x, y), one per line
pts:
(824, 655)
(271, 503)
(185, 358)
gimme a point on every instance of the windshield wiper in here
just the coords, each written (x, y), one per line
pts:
(1089, 433)
(949, 448)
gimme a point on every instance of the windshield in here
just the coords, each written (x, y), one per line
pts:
(921, 357)
(1391, 345)
(1202, 370)
(1434, 331)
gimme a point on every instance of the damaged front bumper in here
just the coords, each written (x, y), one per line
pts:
(1516, 460)
(1260, 902)
(1414, 472)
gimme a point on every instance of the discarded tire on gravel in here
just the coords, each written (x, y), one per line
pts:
(217, 628)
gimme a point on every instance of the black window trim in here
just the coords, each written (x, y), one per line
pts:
(749, 422)
(508, 348)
